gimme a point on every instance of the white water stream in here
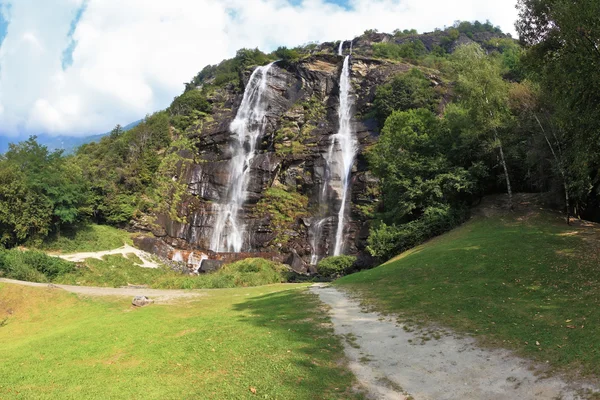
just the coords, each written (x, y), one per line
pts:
(248, 126)
(342, 158)
(339, 160)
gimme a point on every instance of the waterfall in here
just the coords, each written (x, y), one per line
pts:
(317, 232)
(248, 126)
(346, 153)
(341, 48)
(339, 160)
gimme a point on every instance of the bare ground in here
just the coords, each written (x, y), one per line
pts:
(146, 258)
(393, 362)
(158, 295)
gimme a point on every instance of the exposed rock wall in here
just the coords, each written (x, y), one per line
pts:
(301, 117)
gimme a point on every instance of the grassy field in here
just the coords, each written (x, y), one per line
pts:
(527, 282)
(90, 237)
(116, 271)
(271, 342)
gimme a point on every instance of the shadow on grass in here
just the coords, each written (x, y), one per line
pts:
(299, 328)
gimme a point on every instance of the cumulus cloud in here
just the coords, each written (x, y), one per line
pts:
(97, 63)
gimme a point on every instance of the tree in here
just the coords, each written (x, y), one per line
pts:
(41, 192)
(405, 91)
(415, 173)
(484, 94)
(563, 56)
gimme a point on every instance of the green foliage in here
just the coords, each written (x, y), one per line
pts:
(563, 57)
(511, 54)
(170, 184)
(415, 173)
(412, 49)
(283, 207)
(189, 108)
(229, 71)
(285, 54)
(403, 92)
(406, 32)
(335, 266)
(40, 192)
(84, 238)
(121, 168)
(32, 265)
(244, 273)
(188, 102)
(386, 241)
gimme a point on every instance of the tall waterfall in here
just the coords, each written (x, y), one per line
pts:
(342, 159)
(248, 126)
(339, 160)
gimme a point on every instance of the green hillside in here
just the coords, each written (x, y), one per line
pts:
(524, 281)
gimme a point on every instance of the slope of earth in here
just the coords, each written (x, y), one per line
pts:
(269, 342)
(525, 281)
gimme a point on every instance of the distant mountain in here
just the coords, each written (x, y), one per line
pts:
(67, 143)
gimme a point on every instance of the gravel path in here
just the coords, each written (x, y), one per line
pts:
(126, 249)
(392, 363)
(158, 295)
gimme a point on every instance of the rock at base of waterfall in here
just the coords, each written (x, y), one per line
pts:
(153, 245)
(297, 264)
(210, 265)
(141, 301)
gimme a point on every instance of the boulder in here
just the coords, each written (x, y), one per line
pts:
(141, 301)
(297, 263)
(210, 265)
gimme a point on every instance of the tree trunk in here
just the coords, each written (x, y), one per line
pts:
(559, 164)
(503, 162)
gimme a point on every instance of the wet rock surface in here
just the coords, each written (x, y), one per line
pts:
(300, 119)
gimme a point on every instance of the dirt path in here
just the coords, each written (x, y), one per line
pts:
(126, 249)
(392, 363)
(158, 295)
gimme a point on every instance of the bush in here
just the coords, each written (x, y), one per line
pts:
(32, 265)
(248, 272)
(387, 241)
(335, 266)
(190, 101)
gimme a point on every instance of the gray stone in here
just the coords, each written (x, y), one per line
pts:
(141, 301)
(210, 265)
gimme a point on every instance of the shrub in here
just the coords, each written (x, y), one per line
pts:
(285, 54)
(335, 266)
(32, 265)
(248, 272)
(283, 208)
(188, 102)
(387, 241)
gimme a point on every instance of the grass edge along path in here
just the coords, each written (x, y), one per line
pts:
(270, 342)
(525, 282)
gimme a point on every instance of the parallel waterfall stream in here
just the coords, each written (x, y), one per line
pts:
(248, 126)
(339, 160)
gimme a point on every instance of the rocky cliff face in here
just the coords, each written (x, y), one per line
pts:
(288, 172)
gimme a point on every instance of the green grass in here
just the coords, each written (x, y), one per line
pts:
(90, 237)
(272, 339)
(116, 271)
(113, 271)
(527, 283)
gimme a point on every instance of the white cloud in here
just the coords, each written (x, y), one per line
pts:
(133, 56)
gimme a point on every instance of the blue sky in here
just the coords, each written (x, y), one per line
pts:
(78, 67)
